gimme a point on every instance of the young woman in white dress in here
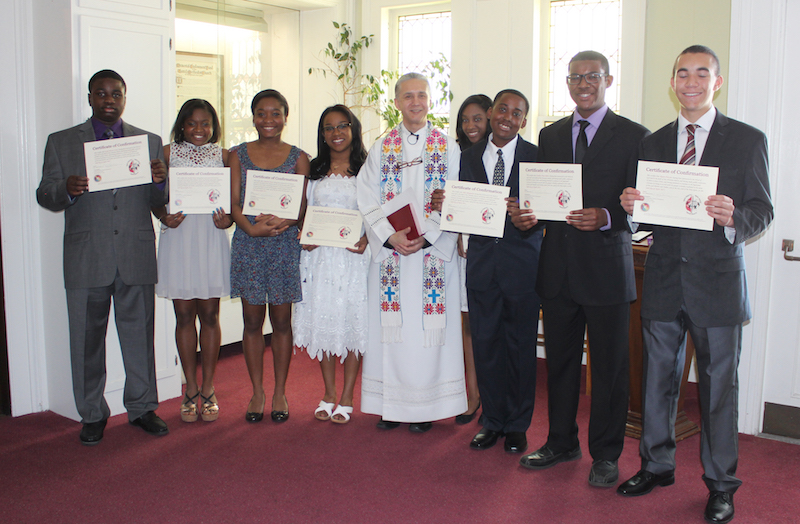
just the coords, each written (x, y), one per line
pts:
(331, 321)
(194, 259)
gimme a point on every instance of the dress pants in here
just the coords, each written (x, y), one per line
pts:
(565, 323)
(504, 329)
(717, 350)
(134, 308)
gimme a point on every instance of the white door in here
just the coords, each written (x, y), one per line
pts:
(782, 374)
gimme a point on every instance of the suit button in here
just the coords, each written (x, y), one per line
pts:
(115, 208)
(116, 232)
(496, 240)
(683, 259)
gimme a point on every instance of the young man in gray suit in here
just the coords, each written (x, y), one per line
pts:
(695, 281)
(586, 274)
(109, 251)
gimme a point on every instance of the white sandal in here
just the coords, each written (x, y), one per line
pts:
(344, 411)
(324, 411)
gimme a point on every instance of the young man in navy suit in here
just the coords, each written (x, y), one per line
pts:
(109, 251)
(501, 285)
(586, 275)
(695, 281)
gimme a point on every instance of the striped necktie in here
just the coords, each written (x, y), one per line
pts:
(499, 170)
(689, 155)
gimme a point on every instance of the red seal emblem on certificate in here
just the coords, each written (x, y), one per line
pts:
(133, 166)
(563, 197)
(213, 195)
(344, 232)
(487, 214)
(692, 204)
(285, 201)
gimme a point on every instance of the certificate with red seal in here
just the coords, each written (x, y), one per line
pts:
(331, 226)
(551, 191)
(474, 208)
(199, 190)
(117, 162)
(278, 194)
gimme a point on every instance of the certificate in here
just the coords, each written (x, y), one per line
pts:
(331, 226)
(117, 162)
(550, 190)
(477, 209)
(199, 190)
(276, 194)
(674, 195)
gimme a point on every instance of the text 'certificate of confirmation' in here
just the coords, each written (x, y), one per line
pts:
(477, 209)
(674, 195)
(199, 190)
(550, 190)
(331, 226)
(276, 194)
(117, 162)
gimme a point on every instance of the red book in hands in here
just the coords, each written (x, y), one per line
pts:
(403, 218)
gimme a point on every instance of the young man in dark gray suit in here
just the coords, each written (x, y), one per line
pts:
(586, 275)
(109, 251)
(695, 281)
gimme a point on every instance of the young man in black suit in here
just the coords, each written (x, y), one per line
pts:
(695, 281)
(586, 275)
(503, 304)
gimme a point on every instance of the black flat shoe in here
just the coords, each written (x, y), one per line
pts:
(280, 416)
(151, 423)
(420, 427)
(92, 433)
(466, 418)
(253, 416)
(643, 483)
(386, 424)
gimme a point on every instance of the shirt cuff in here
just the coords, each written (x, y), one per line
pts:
(608, 221)
(730, 234)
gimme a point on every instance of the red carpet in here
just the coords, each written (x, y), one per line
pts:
(311, 471)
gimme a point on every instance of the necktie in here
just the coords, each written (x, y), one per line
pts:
(689, 154)
(583, 143)
(108, 133)
(499, 170)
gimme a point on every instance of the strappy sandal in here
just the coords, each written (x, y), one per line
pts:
(210, 410)
(344, 411)
(189, 408)
(324, 411)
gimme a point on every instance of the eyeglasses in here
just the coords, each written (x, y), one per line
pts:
(417, 161)
(341, 127)
(591, 78)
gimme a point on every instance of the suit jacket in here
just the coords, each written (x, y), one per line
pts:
(510, 261)
(701, 268)
(103, 231)
(598, 265)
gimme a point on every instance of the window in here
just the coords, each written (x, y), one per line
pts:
(578, 25)
(422, 39)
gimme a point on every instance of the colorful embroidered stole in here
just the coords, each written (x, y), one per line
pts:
(433, 283)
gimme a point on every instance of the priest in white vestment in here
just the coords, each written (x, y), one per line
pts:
(414, 369)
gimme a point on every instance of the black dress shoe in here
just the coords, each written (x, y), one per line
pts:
(466, 418)
(386, 424)
(92, 433)
(643, 483)
(545, 457)
(516, 442)
(420, 427)
(151, 423)
(604, 473)
(485, 439)
(719, 508)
